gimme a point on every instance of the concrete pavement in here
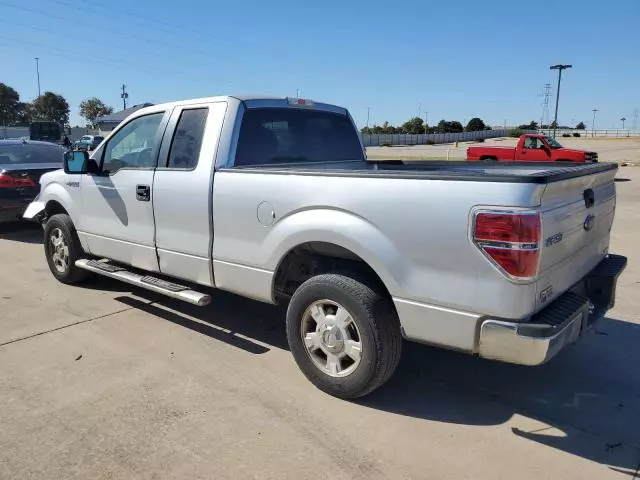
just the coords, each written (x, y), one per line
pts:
(103, 382)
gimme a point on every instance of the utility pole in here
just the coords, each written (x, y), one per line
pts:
(545, 105)
(560, 68)
(419, 109)
(426, 124)
(37, 59)
(124, 95)
(593, 122)
(636, 114)
(623, 119)
(368, 115)
(297, 93)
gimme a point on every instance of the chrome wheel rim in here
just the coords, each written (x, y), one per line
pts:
(59, 250)
(331, 338)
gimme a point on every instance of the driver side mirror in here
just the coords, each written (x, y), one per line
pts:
(76, 162)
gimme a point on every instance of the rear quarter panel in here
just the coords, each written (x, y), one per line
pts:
(413, 233)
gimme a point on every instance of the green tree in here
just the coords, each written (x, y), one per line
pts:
(9, 104)
(413, 126)
(475, 125)
(532, 125)
(388, 128)
(24, 114)
(366, 131)
(554, 124)
(52, 107)
(581, 126)
(93, 108)
(445, 126)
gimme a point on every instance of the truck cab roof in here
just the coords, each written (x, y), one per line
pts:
(248, 100)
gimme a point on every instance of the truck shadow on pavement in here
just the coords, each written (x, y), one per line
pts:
(23, 232)
(585, 402)
(251, 326)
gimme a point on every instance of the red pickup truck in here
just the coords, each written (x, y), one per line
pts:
(532, 148)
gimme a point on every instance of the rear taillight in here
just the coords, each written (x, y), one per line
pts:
(510, 240)
(9, 181)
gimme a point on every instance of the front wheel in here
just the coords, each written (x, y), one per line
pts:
(344, 336)
(62, 248)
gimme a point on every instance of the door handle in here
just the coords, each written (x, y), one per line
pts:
(143, 193)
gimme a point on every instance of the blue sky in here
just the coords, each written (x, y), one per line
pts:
(458, 59)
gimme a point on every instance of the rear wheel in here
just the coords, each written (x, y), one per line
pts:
(489, 159)
(62, 248)
(344, 336)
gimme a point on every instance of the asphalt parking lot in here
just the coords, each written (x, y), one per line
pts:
(104, 381)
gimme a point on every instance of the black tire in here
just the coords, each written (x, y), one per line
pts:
(377, 325)
(61, 223)
(489, 159)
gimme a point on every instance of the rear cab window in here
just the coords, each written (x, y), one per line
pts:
(295, 135)
(187, 139)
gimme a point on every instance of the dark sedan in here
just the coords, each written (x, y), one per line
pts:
(22, 162)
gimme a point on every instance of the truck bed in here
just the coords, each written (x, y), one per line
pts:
(521, 172)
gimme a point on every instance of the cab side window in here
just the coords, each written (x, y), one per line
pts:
(187, 139)
(530, 142)
(134, 145)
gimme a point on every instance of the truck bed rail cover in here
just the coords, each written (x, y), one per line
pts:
(522, 172)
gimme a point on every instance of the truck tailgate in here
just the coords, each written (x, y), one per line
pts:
(577, 215)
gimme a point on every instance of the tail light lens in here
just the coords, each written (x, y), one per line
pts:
(9, 181)
(510, 240)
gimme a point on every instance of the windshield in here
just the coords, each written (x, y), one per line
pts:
(26, 153)
(277, 135)
(553, 143)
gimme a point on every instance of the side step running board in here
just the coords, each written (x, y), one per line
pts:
(148, 282)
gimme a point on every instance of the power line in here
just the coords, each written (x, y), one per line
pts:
(110, 62)
(205, 53)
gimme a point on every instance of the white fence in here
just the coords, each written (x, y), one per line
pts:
(611, 133)
(407, 139)
(23, 132)
(13, 132)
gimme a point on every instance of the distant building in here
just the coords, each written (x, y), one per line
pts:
(109, 122)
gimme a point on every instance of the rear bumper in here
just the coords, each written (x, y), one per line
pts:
(11, 211)
(557, 325)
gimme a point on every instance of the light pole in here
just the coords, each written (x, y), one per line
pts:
(593, 122)
(426, 124)
(38, 72)
(368, 115)
(623, 119)
(559, 67)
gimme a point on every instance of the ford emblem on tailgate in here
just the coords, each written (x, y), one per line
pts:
(589, 222)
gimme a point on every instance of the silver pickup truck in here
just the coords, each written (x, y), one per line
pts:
(273, 199)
